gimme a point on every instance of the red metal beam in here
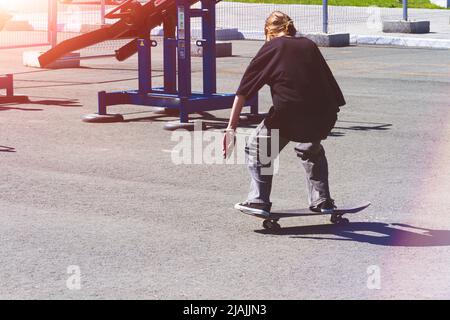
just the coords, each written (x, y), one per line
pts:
(107, 2)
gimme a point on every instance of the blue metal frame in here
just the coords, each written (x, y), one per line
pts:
(6, 82)
(177, 91)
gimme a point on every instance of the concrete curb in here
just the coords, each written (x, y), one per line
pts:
(31, 59)
(400, 41)
(329, 39)
(401, 26)
(377, 40)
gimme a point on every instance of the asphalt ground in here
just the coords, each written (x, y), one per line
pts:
(108, 198)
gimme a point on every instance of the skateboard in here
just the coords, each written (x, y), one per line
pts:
(271, 222)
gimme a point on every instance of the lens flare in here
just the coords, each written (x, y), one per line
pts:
(15, 5)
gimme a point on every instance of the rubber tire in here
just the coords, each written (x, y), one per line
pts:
(170, 112)
(102, 118)
(176, 125)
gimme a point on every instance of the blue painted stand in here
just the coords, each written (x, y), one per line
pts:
(7, 83)
(177, 93)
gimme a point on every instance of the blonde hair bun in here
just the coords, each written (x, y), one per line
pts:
(278, 22)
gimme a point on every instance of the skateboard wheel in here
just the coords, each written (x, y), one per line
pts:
(344, 221)
(275, 225)
(337, 219)
(334, 219)
(267, 224)
(271, 225)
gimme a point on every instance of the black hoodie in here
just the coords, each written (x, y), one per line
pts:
(305, 95)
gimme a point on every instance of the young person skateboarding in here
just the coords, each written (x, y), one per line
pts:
(306, 100)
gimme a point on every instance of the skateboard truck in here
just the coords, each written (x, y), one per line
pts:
(336, 218)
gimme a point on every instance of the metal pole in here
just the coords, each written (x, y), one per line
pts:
(145, 65)
(184, 48)
(103, 12)
(9, 85)
(170, 55)
(53, 22)
(209, 48)
(325, 16)
(405, 10)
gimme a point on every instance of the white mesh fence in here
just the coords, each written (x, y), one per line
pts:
(25, 22)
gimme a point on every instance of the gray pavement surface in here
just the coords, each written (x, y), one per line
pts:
(107, 197)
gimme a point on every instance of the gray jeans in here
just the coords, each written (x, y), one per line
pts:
(261, 152)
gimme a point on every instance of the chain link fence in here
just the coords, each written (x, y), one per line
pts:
(81, 16)
(249, 18)
(25, 23)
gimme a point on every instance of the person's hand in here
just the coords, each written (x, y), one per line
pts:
(229, 139)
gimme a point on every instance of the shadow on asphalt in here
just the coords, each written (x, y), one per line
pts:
(212, 122)
(381, 127)
(7, 149)
(54, 84)
(73, 103)
(209, 120)
(59, 103)
(2, 108)
(376, 233)
(358, 126)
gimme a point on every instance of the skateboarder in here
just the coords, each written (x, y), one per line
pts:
(306, 100)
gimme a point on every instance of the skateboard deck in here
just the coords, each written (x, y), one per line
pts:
(271, 221)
